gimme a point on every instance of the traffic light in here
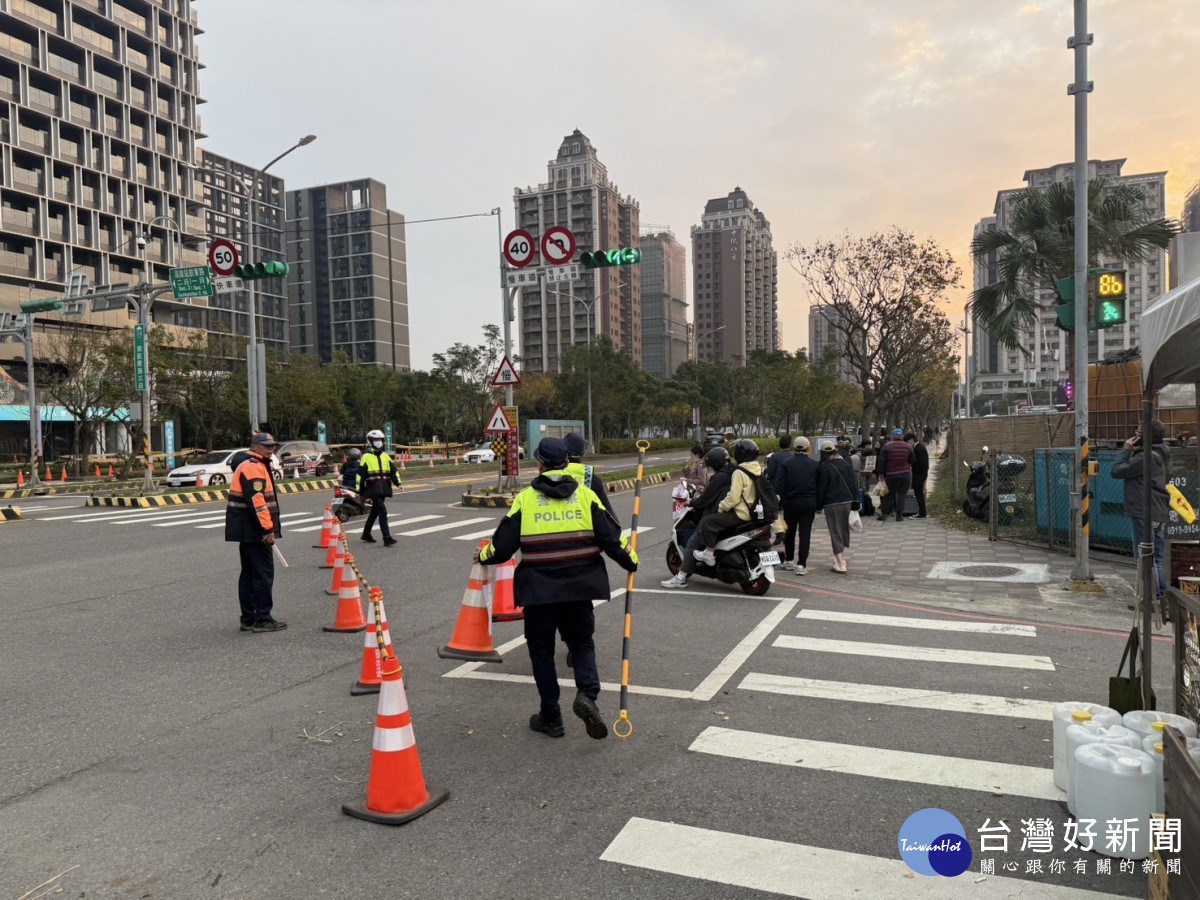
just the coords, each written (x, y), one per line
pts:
(1110, 298)
(37, 306)
(603, 259)
(272, 269)
(1065, 309)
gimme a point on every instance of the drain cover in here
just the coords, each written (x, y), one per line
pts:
(986, 571)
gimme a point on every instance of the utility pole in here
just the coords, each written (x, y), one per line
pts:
(21, 329)
(1081, 574)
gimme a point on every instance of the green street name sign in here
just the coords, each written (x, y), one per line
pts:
(139, 358)
(192, 283)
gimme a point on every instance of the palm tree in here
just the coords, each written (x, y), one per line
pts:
(1039, 248)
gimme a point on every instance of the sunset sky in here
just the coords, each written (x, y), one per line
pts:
(834, 115)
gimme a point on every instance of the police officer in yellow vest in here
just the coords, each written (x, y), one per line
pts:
(561, 529)
(585, 474)
(376, 478)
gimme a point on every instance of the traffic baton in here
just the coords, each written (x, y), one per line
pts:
(279, 555)
(623, 728)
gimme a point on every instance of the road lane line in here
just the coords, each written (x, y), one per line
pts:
(568, 682)
(642, 529)
(822, 615)
(147, 515)
(800, 870)
(445, 526)
(716, 679)
(925, 654)
(221, 524)
(887, 695)
(475, 535)
(102, 512)
(878, 762)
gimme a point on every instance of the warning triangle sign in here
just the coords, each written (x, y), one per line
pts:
(499, 422)
(506, 375)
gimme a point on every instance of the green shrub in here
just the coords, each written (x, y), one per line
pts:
(629, 445)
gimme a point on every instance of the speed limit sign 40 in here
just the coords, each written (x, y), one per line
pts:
(222, 257)
(518, 248)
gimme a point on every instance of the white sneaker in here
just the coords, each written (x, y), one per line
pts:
(705, 556)
(800, 570)
(679, 581)
(789, 566)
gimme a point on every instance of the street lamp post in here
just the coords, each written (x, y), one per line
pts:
(588, 304)
(256, 381)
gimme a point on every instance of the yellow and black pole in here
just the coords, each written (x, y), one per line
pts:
(623, 728)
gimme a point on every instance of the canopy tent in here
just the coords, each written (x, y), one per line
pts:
(1170, 341)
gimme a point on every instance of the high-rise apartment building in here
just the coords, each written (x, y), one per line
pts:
(826, 335)
(227, 185)
(665, 337)
(98, 131)
(579, 196)
(734, 280)
(997, 371)
(348, 285)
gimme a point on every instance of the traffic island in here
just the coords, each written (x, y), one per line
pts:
(10, 514)
(213, 495)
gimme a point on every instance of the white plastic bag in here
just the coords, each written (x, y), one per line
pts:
(855, 521)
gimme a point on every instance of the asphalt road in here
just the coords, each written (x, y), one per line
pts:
(152, 750)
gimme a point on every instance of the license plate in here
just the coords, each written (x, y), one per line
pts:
(769, 558)
(1007, 498)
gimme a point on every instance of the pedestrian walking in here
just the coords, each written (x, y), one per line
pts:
(796, 484)
(561, 529)
(895, 467)
(920, 471)
(836, 498)
(1130, 468)
(375, 482)
(774, 461)
(252, 522)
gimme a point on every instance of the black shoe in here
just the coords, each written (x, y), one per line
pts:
(368, 539)
(268, 625)
(920, 516)
(551, 727)
(585, 707)
(390, 541)
(244, 626)
(570, 660)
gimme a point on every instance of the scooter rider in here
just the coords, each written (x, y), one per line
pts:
(376, 480)
(351, 468)
(718, 462)
(734, 510)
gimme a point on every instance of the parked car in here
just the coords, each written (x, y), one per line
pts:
(214, 466)
(714, 439)
(484, 453)
(304, 458)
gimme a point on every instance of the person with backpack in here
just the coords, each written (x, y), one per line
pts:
(750, 496)
(836, 497)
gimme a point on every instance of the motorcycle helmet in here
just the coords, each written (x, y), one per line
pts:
(716, 458)
(375, 438)
(354, 453)
(745, 450)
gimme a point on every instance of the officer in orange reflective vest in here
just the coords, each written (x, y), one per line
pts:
(252, 522)
(561, 529)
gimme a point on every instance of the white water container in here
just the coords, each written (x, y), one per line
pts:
(1153, 744)
(1101, 715)
(1193, 748)
(1087, 732)
(1142, 721)
(1115, 782)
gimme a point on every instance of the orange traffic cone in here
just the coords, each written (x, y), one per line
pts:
(49, 475)
(335, 587)
(396, 790)
(111, 476)
(349, 609)
(472, 639)
(402, 469)
(326, 529)
(336, 537)
(64, 475)
(377, 636)
(456, 458)
(199, 479)
(97, 470)
(504, 608)
(20, 478)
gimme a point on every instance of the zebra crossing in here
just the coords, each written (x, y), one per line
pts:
(807, 739)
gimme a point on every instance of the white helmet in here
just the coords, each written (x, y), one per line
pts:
(374, 435)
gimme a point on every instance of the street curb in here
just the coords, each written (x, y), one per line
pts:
(160, 500)
(492, 501)
(10, 514)
(22, 493)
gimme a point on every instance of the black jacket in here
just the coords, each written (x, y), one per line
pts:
(920, 466)
(1129, 468)
(718, 486)
(835, 480)
(584, 579)
(796, 482)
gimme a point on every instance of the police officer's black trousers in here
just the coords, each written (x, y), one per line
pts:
(576, 622)
(378, 511)
(256, 581)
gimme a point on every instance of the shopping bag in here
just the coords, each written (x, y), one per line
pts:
(855, 521)
(1125, 692)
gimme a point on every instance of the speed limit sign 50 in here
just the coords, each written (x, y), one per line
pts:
(518, 248)
(222, 257)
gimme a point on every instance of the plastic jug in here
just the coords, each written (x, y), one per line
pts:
(1101, 715)
(1153, 744)
(1142, 721)
(1087, 732)
(1115, 782)
(1193, 748)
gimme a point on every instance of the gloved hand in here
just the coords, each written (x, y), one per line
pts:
(484, 553)
(632, 553)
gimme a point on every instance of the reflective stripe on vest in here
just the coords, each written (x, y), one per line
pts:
(554, 530)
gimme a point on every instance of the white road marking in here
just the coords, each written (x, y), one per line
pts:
(415, 519)
(104, 512)
(475, 535)
(925, 654)
(150, 515)
(910, 622)
(642, 529)
(444, 527)
(799, 870)
(26, 509)
(221, 524)
(716, 679)
(887, 695)
(878, 762)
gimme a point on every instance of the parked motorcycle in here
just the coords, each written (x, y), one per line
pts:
(348, 503)
(979, 488)
(744, 557)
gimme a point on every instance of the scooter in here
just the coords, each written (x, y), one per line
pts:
(979, 488)
(744, 558)
(348, 503)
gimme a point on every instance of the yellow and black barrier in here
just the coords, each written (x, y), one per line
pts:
(10, 514)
